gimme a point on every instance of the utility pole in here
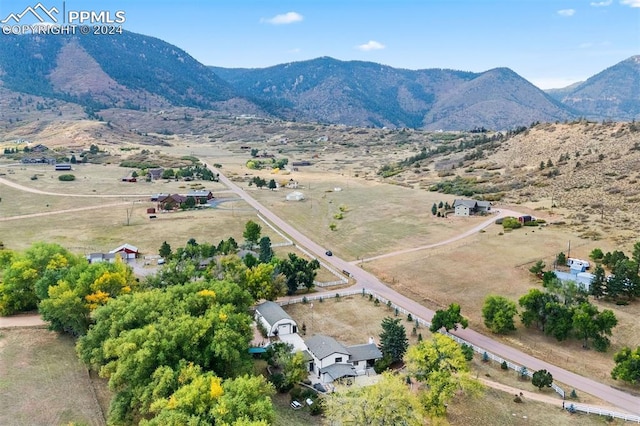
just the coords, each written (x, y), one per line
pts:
(129, 213)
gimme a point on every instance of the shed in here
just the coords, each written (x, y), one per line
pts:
(295, 196)
(274, 319)
(525, 218)
(63, 167)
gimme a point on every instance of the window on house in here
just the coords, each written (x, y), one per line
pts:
(339, 359)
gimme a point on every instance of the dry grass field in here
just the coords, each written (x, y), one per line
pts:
(42, 382)
(377, 218)
(467, 271)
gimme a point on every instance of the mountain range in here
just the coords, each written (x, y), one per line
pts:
(137, 72)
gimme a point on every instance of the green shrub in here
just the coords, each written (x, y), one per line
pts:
(295, 393)
(504, 365)
(66, 178)
(382, 364)
(510, 223)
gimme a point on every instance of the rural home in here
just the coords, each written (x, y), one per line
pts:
(201, 196)
(127, 251)
(274, 319)
(171, 201)
(330, 360)
(470, 207)
(364, 356)
(155, 174)
(582, 279)
(101, 257)
(39, 148)
(295, 196)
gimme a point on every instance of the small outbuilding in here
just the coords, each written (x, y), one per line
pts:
(274, 319)
(127, 251)
(295, 196)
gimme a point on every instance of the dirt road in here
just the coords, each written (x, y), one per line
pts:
(22, 320)
(366, 280)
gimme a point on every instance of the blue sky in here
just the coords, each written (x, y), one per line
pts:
(551, 43)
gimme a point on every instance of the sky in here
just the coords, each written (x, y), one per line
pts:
(551, 43)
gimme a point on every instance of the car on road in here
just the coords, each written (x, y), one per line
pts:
(328, 253)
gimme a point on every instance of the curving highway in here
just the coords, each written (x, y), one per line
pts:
(364, 279)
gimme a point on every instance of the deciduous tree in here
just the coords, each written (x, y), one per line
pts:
(441, 365)
(627, 366)
(498, 313)
(449, 319)
(252, 232)
(589, 323)
(389, 402)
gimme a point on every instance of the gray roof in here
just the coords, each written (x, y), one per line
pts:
(468, 203)
(484, 204)
(364, 352)
(337, 371)
(272, 312)
(307, 356)
(322, 346)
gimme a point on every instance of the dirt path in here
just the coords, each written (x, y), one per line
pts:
(79, 209)
(497, 214)
(22, 320)
(37, 191)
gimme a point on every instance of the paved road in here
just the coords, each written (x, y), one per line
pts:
(366, 280)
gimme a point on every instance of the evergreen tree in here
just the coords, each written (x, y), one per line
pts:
(393, 339)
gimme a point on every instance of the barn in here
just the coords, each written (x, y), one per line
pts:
(127, 251)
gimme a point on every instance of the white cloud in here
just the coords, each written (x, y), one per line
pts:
(601, 3)
(283, 19)
(632, 3)
(295, 50)
(371, 45)
(567, 12)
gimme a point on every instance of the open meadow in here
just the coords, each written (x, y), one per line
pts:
(42, 382)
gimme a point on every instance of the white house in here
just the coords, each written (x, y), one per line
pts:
(364, 356)
(469, 207)
(274, 319)
(295, 196)
(330, 360)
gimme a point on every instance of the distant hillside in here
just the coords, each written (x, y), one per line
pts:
(128, 70)
(136, 72)
(613, 94)
(370, 94)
